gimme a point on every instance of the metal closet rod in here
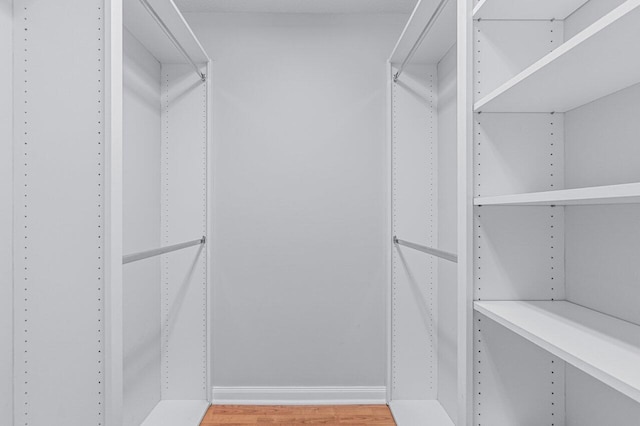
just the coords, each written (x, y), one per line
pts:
(429, 250)
(162, 250)
(173, 39)
(423, 34)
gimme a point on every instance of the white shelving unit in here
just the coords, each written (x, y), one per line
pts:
(596, 62)
(604, 347)
(525, 9)
(422, 384)
(556, 198)
(610, 194)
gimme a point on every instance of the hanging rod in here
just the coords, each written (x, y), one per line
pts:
(423, 34)
(162, 250)
(432, 251)
(173, 39)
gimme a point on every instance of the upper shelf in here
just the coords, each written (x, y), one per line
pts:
(438, 41)
(604, 347)
(611, 194)
(143, 27)
(598, 61)
(525, 9)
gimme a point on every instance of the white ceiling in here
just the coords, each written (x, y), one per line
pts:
(298, 6)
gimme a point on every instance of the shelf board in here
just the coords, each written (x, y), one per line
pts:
(602, 346)
(598, 61)
(419, 412)
(628, 193)
(525, 9)
(177, 412)
(143, 27)
(438, 41)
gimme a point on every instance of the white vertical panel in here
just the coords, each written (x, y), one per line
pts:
(504, 48)
(141, 230)
(184, 218)
(515, 382)
(59, 209)
(447, 234)
(6, 213)
(518, 252)
(602, 140)
(414, 299)
(603, 243)
(590, 402)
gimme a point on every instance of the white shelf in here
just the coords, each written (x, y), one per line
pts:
(598, 61)
(628, 193)
(411, 413)
(177, 413)
(438, 41)
(525, 9)
(140, 23)
(602, 346)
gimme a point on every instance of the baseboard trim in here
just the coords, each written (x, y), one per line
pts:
(295, 395)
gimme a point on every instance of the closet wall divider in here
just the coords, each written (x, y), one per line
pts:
(104, 143)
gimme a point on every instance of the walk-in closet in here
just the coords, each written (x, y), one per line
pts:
(345, 212)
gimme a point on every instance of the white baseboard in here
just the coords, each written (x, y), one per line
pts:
(295, 395)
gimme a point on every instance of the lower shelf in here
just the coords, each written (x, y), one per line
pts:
(177, 413)
(602, 346)
(410, 413)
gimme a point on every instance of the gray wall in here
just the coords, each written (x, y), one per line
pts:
(6, 214)
(300, 194)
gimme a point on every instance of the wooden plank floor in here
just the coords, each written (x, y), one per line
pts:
(298, 415)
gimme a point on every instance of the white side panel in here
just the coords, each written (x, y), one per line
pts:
(515, 382)
(602, 141)
(504, 48)
(6, 212)
(518, 153)
(184, 218)
(414, 300)
(519, 253)
(59, 210)
(603, 243)
(177, 413)
(447, 234)
(141, 230)
(589, 402)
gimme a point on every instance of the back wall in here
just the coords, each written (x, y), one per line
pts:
(300, 246)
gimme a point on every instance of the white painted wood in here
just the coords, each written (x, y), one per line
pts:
(503, 49)
(464, 218)
(518, 153)
(6, 213)
(586, 15)
(419, 412)
(610, 194)
(113, 89)
(525, 9)
(184, 215)
(447, 235)
(177, 413)
(601, 146)
(515, 382)
(519, 253)
(590, 402)
(573, 333)
(141, 230)
(440, 38)
(298, 395)
(583, 69)
(60, 213)
(415, 276)
(144, 28)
